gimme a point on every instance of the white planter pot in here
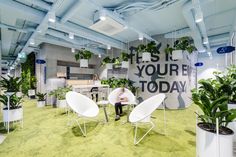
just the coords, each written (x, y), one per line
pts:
(14, 115)
(232, 125)
(31, 92)
(206, 144)
(19, 94)
(177, 54)
(83, 63)
(61, 104)
(109, 65)
(146, 56)
(40, 104)
(125, 64)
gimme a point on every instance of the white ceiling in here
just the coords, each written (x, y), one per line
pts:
(219, 17)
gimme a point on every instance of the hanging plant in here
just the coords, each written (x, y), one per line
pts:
(151, 47)
(184, 44)
(107, 60)
(124, 56)
(83, 54)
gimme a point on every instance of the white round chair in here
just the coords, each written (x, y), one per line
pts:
(112, 97)
(83, 106)
(142, 113)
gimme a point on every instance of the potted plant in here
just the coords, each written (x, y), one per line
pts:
(15, 111)
(60, 94)
(108, 62)
(213, 106)
(83, 56)
(147, 50)
(124, 60)
(184, 44)
(32, 87)
(41, 99)
(11, 84)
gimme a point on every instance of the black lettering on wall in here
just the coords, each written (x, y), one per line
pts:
(164, 86)
(174, 87)
(183, 86)
(155, 57)
(184, 70)
(142, 85)
(174, 68)
(150, 69)
(159, 69)
(152, 87)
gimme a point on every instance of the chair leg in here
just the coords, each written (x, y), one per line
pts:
(136, 140)
(82, 130)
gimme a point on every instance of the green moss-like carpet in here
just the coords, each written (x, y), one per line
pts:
(46, 134)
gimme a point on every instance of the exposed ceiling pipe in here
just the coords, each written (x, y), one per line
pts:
(40, 4)
(75, 28)
(89, 34)
(24, 30)
(75, 41)
(30, 13)
(117, 17)
(61, 42)
(70, 12)
(179, 33)
(189, 17)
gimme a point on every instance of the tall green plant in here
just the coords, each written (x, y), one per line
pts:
(11, 84)
(212, 105)
(15, 102)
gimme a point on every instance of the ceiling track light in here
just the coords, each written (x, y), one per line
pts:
(73, 50)
(32, 42)
(108, 47)
(198, 17)
(140, 36)
(71, 35)
(201, 51)
(205, 41)
(102, 15)
(52, 17)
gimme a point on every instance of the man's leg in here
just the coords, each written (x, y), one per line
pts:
(117, 107)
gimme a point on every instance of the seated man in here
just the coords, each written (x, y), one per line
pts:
(122, 97)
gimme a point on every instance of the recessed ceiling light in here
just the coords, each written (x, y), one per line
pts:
(51, 17)
(198, 17)
(32, 42)
(99, 55)
(205, 41)
(108, 47)
(140, 36)
(73, 50)
(102, 15)
(71, 35)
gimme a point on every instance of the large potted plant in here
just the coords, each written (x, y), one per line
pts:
(41, 99)
(147, 50)
(213, 106)
(108, 62)
(83, 56)
(11, 84)
(15, 111)
(124, 60)
(184, 44)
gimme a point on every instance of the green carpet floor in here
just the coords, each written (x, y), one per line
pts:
(46, 134)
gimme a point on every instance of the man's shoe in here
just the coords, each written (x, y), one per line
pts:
(117, 118)
(122, 114)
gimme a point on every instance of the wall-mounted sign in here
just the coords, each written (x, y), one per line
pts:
(198, 64)
(162, 74)
(226, 49)
(40, 61)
